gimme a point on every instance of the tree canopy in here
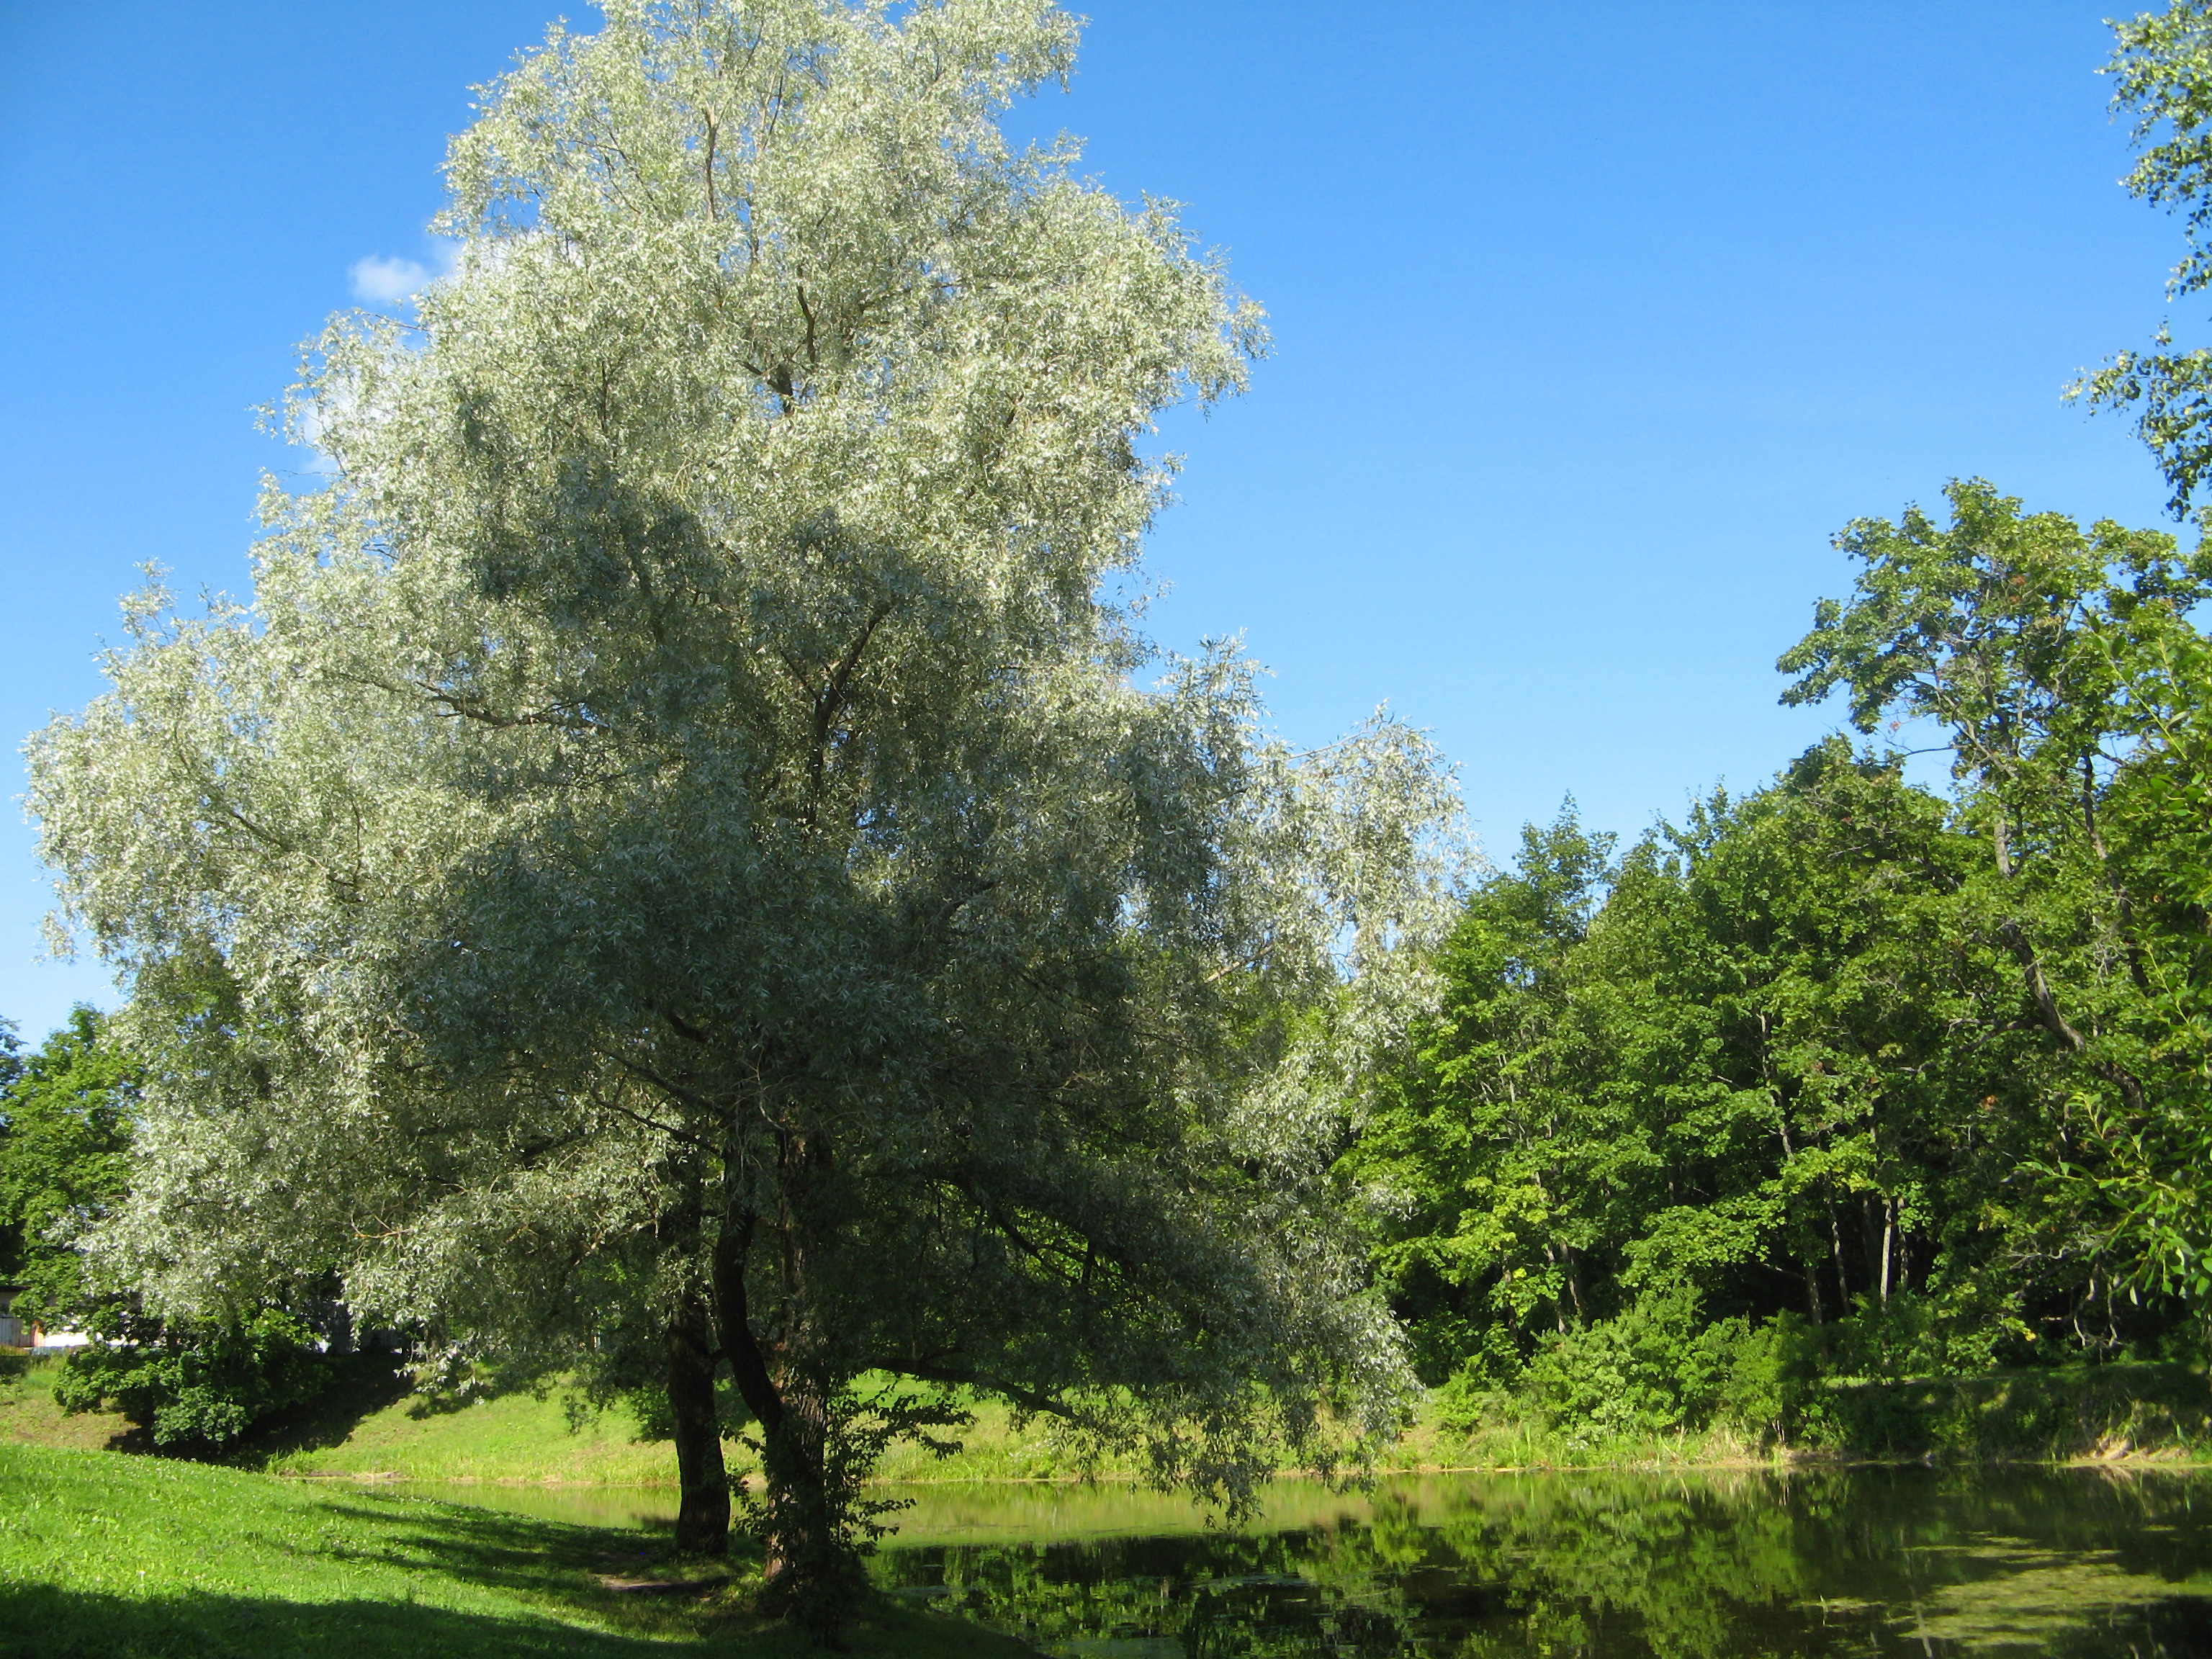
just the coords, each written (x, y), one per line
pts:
(685, 866)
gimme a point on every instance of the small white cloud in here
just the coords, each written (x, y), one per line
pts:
(381, 281)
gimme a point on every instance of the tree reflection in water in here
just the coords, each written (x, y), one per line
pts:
(1712, 1566)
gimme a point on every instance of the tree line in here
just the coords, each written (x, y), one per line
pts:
(1918, 1074)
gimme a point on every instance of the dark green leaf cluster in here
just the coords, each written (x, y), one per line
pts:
(199, 1387)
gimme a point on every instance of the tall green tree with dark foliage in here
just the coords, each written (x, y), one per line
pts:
(1735, 1087)
(2066, 672)
(2159, 817)
(1926, 1073)
(65, 1123)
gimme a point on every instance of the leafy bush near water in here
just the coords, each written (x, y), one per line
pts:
(1901, 1380)
(1657, 1369)
(205, 1386)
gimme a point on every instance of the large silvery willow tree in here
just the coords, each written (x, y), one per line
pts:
(677, 826)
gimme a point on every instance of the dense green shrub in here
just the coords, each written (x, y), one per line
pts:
(1657, 1368)
(206, 1385)
(1915, 1377)
(1912, 1335)
(1650, 1369)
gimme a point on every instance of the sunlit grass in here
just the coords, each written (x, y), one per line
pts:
(124, 1557)
(363, 1427)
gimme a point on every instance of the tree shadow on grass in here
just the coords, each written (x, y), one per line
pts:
(393, 1567)
(360, 1385)
(357, 1387)
(54, 1623)
(555, 1574)
(554, 1561)
(45, 1621)
(667, 1599)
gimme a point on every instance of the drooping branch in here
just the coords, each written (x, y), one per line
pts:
(1029, 1400)
(646, 1122)
(646, 1073)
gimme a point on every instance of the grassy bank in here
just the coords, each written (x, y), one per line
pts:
(367, 1426)
(2086, 1412)
(131, 1557)
(2056, 1415)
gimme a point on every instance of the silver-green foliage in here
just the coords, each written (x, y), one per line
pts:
(2162, 72)
(678, 797)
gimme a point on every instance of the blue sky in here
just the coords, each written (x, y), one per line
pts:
(1594, 323)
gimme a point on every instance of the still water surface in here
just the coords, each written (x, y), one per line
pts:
(1717, 1565)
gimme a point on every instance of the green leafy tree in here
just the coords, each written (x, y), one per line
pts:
(1924, 1076)
(679, 802)
(66, 1113)
(2151, 1163)
(2063, 666)
(2162, 71)
(1782, 1071)
(1813, 1031)
(1487, 1155)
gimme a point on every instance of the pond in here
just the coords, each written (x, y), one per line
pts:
(1712, 1565)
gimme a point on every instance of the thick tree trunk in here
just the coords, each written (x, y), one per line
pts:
(806, 1569)
(734, 1321)
(702, 1515)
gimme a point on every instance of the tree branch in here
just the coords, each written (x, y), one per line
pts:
(714, 209)
(733, 1323)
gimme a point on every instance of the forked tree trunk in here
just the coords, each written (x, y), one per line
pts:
(702, 1515)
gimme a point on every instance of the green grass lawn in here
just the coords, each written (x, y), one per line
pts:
(522, 1438)
(128, 1557)
(366, 1423)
